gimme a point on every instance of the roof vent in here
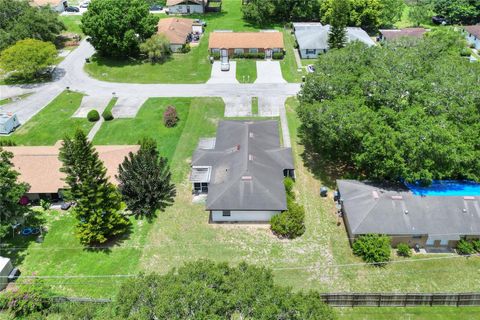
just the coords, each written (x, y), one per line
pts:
(464, 210)
(406, 211)
(250, 157)
(250, 134)
(468, 198)
(397, 198)
(375, 195)
(246, 178)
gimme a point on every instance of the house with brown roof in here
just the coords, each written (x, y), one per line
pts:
(473, 35)
(228, 43)
(394, 34)
(39, 166)
(57, 5)
(179, 31)
(186, 6)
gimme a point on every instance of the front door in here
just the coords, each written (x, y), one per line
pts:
(188, 9)
(224, 53)
(268, 54)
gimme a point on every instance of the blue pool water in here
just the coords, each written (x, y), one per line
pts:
(446, 188)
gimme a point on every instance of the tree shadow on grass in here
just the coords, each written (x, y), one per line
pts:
(115, 241)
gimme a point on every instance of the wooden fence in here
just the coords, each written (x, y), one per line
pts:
(400, 299)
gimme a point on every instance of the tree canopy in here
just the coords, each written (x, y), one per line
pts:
(11, 191)
(458, 11)
(19, 20)
(264, 12)
(117, 27)
(337, 37)
(26, 58)
(206, 290)
(408, 110)
(97, 200)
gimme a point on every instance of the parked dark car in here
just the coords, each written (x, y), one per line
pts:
(66, 205)
(72, 9)
(439, 20)
(156, 7)
(14, 274)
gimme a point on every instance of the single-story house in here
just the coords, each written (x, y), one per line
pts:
(8, 122)
(473, 35)
(39, 166)
(242, 171)
(406, 217)
(179, 31)
(186, 6)
(228, 43)
(305, 25)
(393, 34)
(313, 39)
(57, 5)
(5, 268)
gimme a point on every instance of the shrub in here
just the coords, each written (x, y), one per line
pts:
(373, 248)
(476, 245)
(93, 116)
(170, 117)
(185, 48)
(45, 204)
(107, 115)
(289, 224)
(465, 247)
(28, 299)
(288, 183)
(466, 52)
(278, 55)
(403, 250)
(7, 143)
(216, 55)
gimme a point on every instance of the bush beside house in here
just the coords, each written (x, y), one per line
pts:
(404, 250)
(373, 248)
(467, 247)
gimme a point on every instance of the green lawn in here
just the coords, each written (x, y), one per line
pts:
(52, 123)
(147, 123)
(246, 70)
(417, 313)
(288, 64)
(73, 23)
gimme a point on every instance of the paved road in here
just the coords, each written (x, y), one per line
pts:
(70, 74)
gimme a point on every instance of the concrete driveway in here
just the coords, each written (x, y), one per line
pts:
(89, 103)
(269, 72)
(127, 107)
(269, 106)
(219, 76)
(238, 106)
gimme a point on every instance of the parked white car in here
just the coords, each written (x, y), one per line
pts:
(225, 65)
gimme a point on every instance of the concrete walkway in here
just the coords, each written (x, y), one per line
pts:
(127, 107)
(298, 59)
(95, 129)
(238, 106)
(90, 103)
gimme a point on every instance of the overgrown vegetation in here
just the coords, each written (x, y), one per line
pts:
(404, 250)
(266, 12)
(467, 247)
(29, 298)
(290, 223)
(404, 111)
(373, 248)
(170, 117)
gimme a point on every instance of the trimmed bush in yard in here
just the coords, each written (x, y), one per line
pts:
(465, 247)
(404, 250)
(170, 117)
(476, 245)
(373, 248)
(291, 223)
(93, 116)
(107, 115)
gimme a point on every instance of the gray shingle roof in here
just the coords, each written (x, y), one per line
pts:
(316, 37)
(370, 208)
(247, 166)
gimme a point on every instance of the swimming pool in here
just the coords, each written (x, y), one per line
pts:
(446, 188)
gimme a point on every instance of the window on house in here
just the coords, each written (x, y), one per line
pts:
(310, 51)
(238, 51)
(215, 50)
(226, 213)
(276, 50)
(416, 237)
(253, 50)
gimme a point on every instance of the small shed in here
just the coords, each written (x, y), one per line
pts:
(8, 122)
(5, 268)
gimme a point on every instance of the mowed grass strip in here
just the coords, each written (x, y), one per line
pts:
(246, 70)
(147, 123)
(52, 123)
(417, 313)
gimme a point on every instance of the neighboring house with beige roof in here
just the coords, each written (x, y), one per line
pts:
(473, 35)
(178, 31)
(228, 43)
(394, 34)
(39, 166)
(186, 6)
(57, 5)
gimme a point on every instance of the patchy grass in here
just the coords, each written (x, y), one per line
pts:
(246, 70)
(288, 64)
(417, 313)
(255, 107)
(52, 123)
(13, 99)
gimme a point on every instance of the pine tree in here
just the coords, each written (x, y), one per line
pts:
(145, 181)
(337, 38)
(11, 211)
(97, 200)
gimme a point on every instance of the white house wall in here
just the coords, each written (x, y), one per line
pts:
(194, 8)
(472, 39)
(244, 216)
(176, 47)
